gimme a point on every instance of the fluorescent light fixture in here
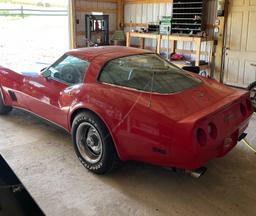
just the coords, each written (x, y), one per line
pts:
(97, 13)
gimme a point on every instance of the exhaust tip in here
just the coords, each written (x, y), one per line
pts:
(197, 173)
(242, 136)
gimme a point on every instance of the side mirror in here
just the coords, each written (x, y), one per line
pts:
(46, 73)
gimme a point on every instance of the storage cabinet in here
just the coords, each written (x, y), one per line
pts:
(188, 17)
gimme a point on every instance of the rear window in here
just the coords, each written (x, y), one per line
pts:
(147, 72)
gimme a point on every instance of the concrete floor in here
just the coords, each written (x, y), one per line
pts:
(43, 158)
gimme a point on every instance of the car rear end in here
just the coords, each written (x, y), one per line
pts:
(215, 130)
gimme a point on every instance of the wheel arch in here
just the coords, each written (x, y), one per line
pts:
(2, 94)
(5, 96)
(75, 112)
(251, 85)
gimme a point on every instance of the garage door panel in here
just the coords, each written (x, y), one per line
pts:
(251, 36)
(231, 70)
(249, 71)
(236, 27)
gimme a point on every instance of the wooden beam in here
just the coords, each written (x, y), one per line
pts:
(84, 9)
(82, 33)
(106, 1)
(135, 25)
(208, 26)
(128, 39)
(226, 15)
(147, 1)
(163, 49)
(142, 43)
(72, 26)
(120, 15)
(198, 51)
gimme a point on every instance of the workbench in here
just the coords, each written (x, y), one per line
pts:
(173, 39)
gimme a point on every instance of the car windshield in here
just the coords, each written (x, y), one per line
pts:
(147, 72)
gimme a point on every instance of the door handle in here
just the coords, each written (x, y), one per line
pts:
(226, 49)
(254, 65)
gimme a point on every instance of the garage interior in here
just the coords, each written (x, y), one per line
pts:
(216, 35)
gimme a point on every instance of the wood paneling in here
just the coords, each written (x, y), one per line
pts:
(85, 9)
(146, 1)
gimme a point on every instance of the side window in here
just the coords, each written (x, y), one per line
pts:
(69, 69)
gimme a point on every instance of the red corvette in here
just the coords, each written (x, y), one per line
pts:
(130, 104)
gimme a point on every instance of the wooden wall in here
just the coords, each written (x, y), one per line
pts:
(83, 7)
(137, 13)
(140, 12)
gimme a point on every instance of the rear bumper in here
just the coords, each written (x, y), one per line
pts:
(223, 147)
(203, 154)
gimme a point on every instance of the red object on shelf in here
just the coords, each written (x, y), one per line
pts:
(176, 57)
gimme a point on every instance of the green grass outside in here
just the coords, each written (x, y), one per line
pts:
(35, 3)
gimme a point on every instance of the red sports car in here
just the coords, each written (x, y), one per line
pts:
(130, 104)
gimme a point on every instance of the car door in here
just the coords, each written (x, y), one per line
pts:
(51, 94)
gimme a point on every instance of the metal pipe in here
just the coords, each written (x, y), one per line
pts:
(197, 173)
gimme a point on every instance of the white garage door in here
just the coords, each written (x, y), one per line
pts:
(240, 56)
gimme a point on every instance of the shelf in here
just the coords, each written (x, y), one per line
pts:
(186, 29)
(173, 38)
(193, 24)
(187, 3)
(189, 8)
(196, 13)
(185, 19)
(188, 17)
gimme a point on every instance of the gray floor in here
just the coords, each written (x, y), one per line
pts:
(42, 156)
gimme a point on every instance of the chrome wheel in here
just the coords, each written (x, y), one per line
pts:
(89, 142)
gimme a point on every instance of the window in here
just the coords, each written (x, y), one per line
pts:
(147, 72)
(69, 69)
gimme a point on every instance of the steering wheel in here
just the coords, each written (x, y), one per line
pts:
(70, 74)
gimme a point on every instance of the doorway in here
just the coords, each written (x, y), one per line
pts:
(33, 35)
(240, 48)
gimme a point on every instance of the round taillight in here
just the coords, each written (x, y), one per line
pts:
(243, 109)
(249, 105)
(201, 137)
(212, 130)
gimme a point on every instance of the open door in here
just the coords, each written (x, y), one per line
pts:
(240, 48)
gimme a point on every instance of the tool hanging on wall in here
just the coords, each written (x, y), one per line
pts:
(97, 29)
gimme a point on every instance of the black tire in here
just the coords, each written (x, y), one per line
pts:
(252, 89)
(89, 135)
(4, 109)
